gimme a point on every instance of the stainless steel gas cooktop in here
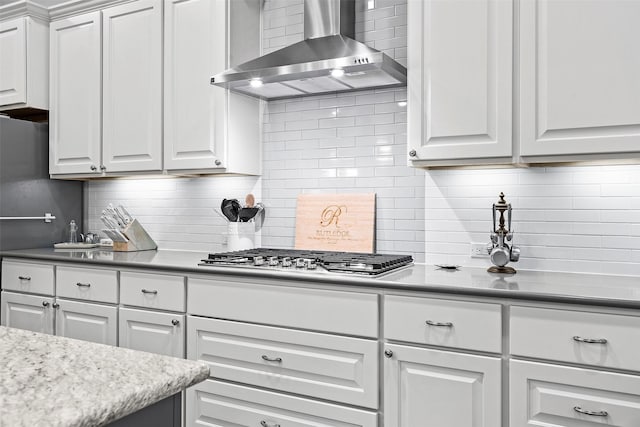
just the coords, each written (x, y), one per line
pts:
(312, 261)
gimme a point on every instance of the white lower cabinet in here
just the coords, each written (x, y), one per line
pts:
(155, 332)
(30, 312)
(217, 404)
(342, 369)
(561, 396)
(424, 387)
(88, 322)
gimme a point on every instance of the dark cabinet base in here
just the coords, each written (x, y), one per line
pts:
(166, 413)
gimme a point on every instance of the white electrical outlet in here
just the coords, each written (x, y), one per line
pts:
(479, 250)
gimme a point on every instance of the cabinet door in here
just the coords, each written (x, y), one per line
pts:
(460, 57)
(30, 312)
(13, 67)
(88, 322)
(75, 114)
(161, 333)
(437, 388)
(580, 77)
(194, 50)
(132, 87)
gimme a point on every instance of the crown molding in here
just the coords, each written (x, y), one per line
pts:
(24, 8)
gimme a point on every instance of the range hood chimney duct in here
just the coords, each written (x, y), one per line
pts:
(329, 60)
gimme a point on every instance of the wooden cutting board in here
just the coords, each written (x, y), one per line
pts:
(336, 222)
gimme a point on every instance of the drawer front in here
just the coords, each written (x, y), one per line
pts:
(542, 394)
(87, 322)
(213, 403)
(160, 333)
(347, 313)
(319, 365)
(549, 334)
(456, 324)
(87, 284)
(152, 291)
(27, 277)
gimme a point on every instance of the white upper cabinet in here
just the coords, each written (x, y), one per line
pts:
(460, 80)
(24, 53)
(75, 117)
(207, 128)
(579, 77)
(132, 87)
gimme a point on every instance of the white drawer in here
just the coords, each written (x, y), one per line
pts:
(456, 324)
(549, 334)
(27, 277)
(551, 395)
(349, 313)
(91, 284)
(152, 291)
(212, 403)
(329, 367)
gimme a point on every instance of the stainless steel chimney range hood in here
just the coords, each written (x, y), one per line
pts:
(329, 60)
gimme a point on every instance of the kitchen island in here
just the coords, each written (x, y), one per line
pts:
(47, 380)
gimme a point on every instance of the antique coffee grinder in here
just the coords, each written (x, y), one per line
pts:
(499, 250)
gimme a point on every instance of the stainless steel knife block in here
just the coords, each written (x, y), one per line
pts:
(138, 239)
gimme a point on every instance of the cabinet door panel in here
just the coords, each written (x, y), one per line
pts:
(460, 57)
(132, 86)
(193, 52)
(437, 388)
(28, 312)
(88, 322)
(152, 331)
(75, 116)
(580, 77)
(13, 67)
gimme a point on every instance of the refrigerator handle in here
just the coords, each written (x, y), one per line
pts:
(47, 217)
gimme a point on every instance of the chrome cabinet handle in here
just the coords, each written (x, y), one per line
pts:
(93, 167)
(45, 304)
(271, 359)
(266, 424)
(146, 291)
(590, 340)
(218, 162)
(55, 305)
(83, 285)
(103, 168)
(591, 413)
(413, 153)
(445, 324)
(24, 278)
(388, 353)
(175, 322)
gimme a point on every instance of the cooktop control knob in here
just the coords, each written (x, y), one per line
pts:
(300, 263)
(310, 264)
(286, 262)
(258, 260)
(273, 261)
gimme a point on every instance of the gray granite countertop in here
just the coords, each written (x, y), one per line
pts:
(618, 291)
(52, 381)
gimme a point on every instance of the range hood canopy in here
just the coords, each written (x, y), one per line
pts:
(329, 60)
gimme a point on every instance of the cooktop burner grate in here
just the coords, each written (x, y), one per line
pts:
(285, 259)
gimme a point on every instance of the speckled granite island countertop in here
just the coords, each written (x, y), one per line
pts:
(54, 381)
(595, 289)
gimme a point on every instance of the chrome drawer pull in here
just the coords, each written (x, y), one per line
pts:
(45, 304)
(175, 322)
(591, 413)
(83, 285)
(145, 291)
(446, 324)
(266, 424)
(24, 277)
(590, 340)
(271, 359)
